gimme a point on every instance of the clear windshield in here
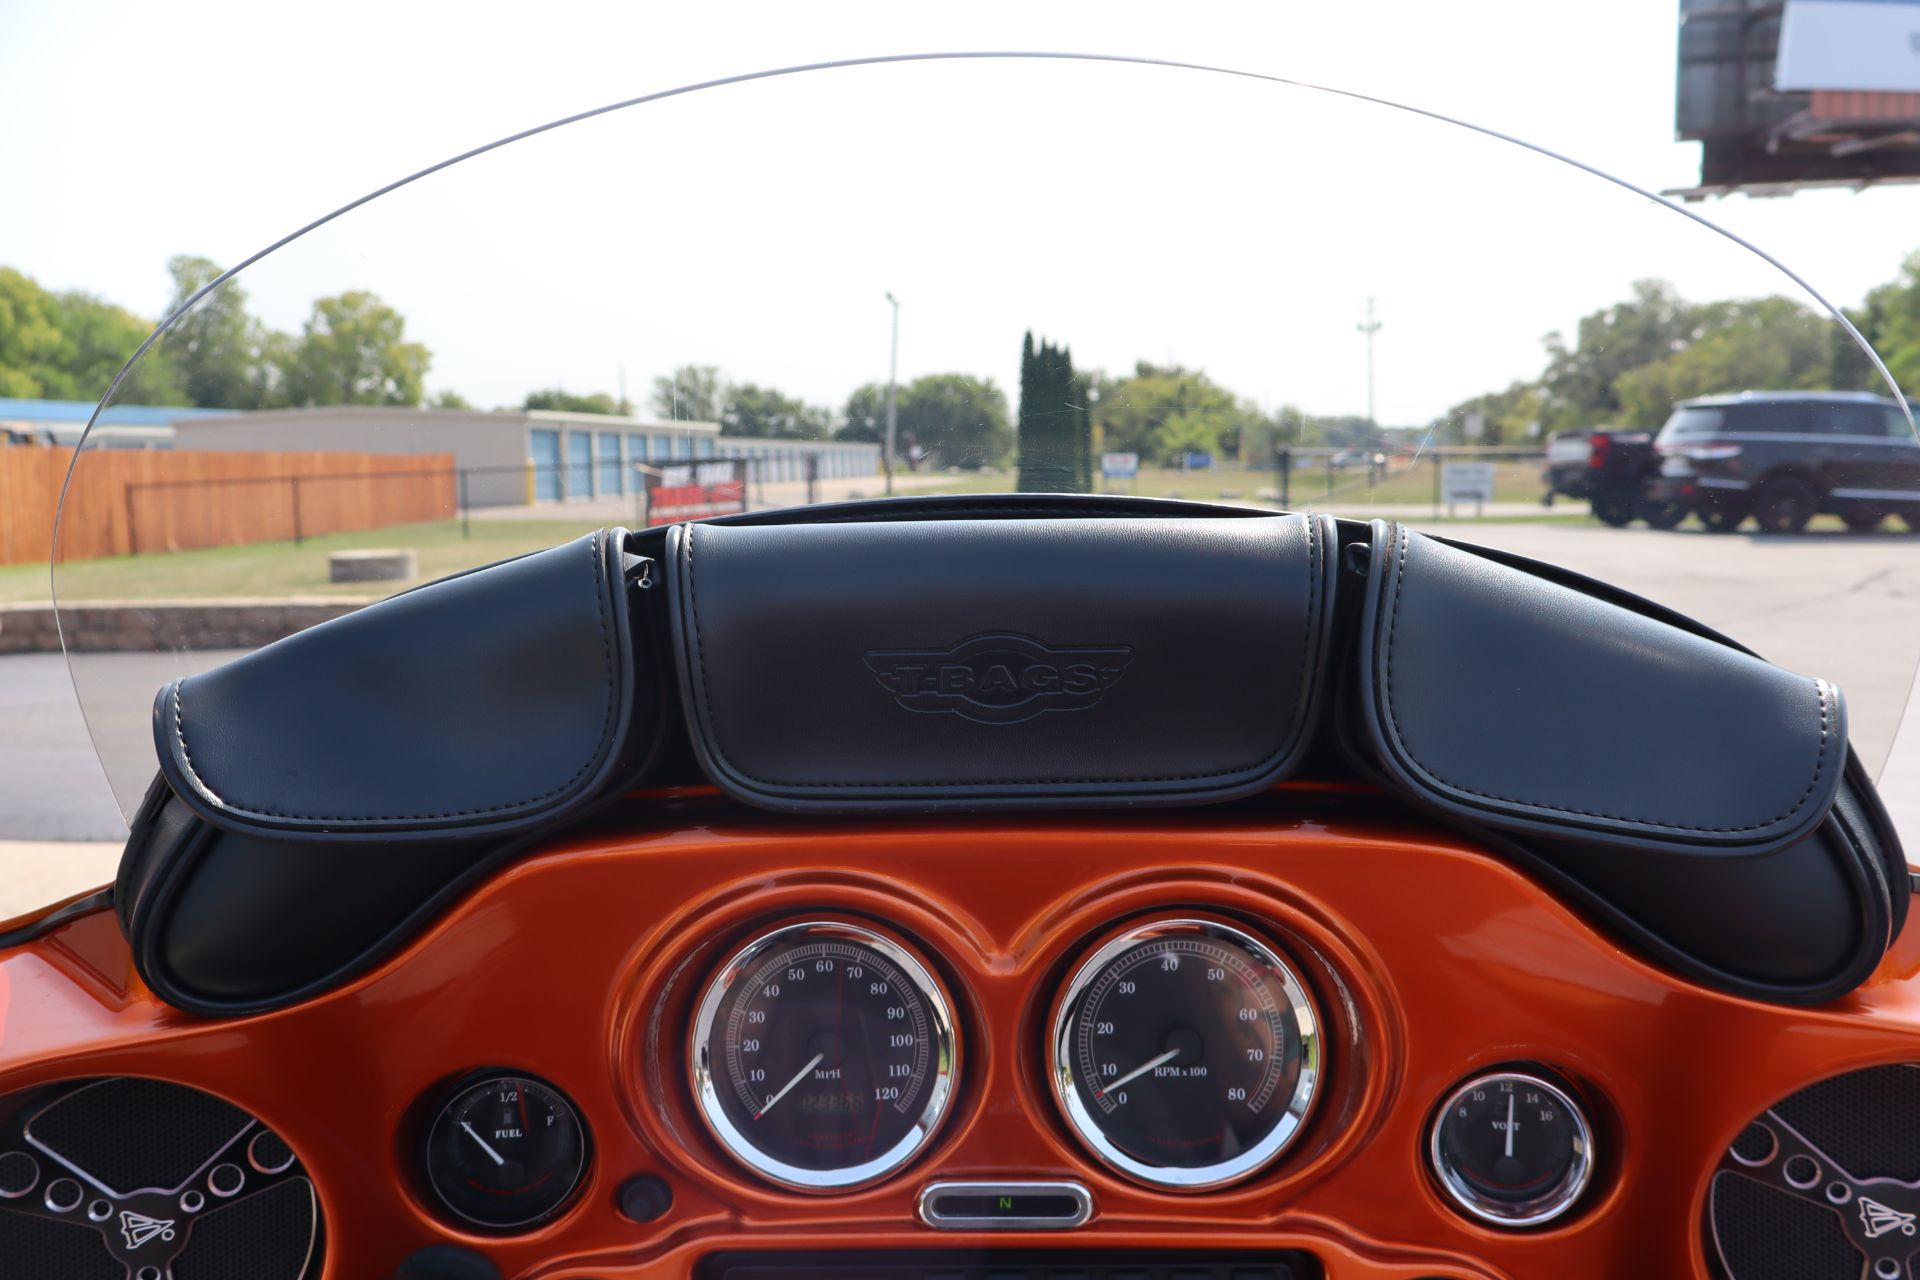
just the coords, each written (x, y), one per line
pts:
(978, 274)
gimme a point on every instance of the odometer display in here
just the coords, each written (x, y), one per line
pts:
(1185, 1053)
(822, 1055)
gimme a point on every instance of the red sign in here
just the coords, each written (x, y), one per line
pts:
(695, 490)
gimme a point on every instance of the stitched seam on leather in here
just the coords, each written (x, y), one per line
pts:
(606, 720)
(1821, 694)
(988, 512)
(713, 737)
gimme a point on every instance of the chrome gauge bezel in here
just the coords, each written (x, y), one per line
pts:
(706, 1086)
(1541, 1209)
(1085, 1124)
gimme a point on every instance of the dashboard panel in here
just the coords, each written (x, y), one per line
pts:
(1422, 962)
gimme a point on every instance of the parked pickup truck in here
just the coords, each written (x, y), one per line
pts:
(1613, 471)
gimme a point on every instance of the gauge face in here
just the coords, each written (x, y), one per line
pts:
(1185, 1053)
(1512, 1147)
(822, 1056)
(505, 1151)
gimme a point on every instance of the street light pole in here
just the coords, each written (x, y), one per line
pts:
(893, 392)
(1369, 327)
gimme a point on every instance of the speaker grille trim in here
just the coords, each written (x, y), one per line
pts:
(1825, 1184)
(160, 1158)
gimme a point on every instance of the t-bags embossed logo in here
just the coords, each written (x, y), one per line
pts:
(1001, 677)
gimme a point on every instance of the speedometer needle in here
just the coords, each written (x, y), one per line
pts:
(1136, 1073)
(813, 1062)
(491, 1153)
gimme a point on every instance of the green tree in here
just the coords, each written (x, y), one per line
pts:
(70, 346)
(1507, 417)
(353, 350)
(449, 399)
(1580, 379)
(29, 335)
(865, 417)
(558, 401)
(1186, 433)
(1134, 412)
(764, 413)
(222, 353)
(691, 393)
(1890, 320)
(1766, 343)
(1055, 427)
(953, 419)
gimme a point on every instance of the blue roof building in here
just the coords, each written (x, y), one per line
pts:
(122, 426)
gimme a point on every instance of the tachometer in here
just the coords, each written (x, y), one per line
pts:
(1186, 1054)
(822, 1055)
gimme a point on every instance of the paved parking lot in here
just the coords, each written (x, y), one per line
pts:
(1839, 606)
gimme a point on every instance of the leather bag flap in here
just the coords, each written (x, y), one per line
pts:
(1515, 701)
(971, 664)
(487, 702)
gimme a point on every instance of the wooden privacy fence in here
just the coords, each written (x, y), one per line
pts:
(136, 501)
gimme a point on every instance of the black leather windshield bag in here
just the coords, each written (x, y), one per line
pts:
(321, 799)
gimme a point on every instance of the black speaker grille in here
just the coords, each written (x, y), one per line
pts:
(132, 1134)
(34, 1248)
(1867, 1121)
(1767, 1234)
(265, 1236)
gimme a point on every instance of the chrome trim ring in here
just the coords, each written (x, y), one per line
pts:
(1528, 1213)
(927, 1206)
(941, 1060)
(1086, 1125)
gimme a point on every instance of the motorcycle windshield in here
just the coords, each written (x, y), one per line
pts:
(965, 274)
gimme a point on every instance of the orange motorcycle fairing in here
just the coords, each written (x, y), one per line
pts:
(1428, 960)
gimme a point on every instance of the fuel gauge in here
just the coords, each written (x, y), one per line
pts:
(506, 1151)
(1512, 1148)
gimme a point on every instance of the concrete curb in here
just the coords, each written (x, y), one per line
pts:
(135, 626)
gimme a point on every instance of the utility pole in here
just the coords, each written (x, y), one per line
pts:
(893, 393)
(1369, 327)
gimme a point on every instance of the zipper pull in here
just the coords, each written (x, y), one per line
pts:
(639, 573)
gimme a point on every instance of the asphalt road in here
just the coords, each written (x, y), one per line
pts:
(1834, 605)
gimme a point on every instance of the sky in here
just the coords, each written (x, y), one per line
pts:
(1132, 213)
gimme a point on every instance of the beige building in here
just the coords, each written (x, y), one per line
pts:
(514, 457)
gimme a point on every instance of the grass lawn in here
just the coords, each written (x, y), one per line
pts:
(283, 568)
(277, 569)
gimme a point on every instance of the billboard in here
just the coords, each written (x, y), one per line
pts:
(694, 490)
(1850, 44)
(1786, 94)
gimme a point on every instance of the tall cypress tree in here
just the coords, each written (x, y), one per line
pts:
(1056, 431)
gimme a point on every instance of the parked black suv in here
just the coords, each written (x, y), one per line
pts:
(1783, 456)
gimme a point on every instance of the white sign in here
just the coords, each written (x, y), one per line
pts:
(1474, 426)
(1869, 45)
(1466, 482)
(1119, 466)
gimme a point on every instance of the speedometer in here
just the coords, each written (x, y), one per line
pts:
(1186, 1054)
(822, 1055)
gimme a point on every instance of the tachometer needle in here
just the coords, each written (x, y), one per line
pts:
(813, 1062)
(1136, 1073)
(491, 1153)
(1509, 1125)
